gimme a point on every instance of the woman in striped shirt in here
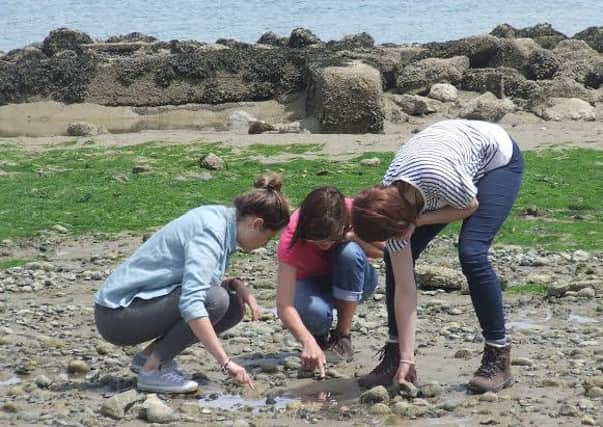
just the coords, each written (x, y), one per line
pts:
(453, 170)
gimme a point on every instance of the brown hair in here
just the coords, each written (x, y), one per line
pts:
(323, 215)
(383, 212)
(265, 201)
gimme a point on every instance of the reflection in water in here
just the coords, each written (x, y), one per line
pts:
(581, 319)
(234, 402)
(530, 323)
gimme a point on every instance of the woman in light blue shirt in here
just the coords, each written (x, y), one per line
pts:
(172, 289)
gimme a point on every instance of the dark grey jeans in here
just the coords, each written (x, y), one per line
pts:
(160, 319)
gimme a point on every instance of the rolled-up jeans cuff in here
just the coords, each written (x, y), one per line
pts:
(346, 295)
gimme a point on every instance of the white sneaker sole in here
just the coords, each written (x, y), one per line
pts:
(190, 387)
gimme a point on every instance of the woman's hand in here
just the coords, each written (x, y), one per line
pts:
(313, 357)
(239, 374)
(245, 296)
(406, 374)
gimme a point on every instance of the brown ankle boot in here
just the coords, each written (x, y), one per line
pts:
(494, 374)
(340, 348)
(384, 372)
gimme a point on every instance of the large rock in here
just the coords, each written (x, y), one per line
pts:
(541, 64)
(353, 41)
(301, 37)
(273, 39)
(514, 53)
(564, 87)
(64, 39)
(443, 92)
(558, 109)
(155, 411)
(132, 37)
(487, 107)
(594, 78)
(436, 277)
(416, 105)
(543, 34)
(116, 406)
(501, 81)
(479, 49)
(593, 36)
(421, 75)
(577, 60)
(346, 99)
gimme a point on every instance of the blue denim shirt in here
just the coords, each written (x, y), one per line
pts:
(191, 251)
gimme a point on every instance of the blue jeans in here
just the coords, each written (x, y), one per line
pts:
(352, 279)
(497, 191)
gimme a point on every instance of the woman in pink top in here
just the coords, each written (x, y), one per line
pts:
(323, 267)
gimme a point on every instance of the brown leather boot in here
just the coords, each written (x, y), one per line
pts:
(340, 348)
(494, 374)
(384, 372)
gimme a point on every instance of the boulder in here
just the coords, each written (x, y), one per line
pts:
(155, 411)
(558, 109)
(346, 99)
(416, 105)
(116, 406)
(487, 107)
(501, 82)
(418, 77)
(273, 39)
(541, 64)
(564, 87)
(436, 277)
(543, 34)
(83, 129)
(479, 49)
(443, 92)
(64, 39)
(593, 36)
(301, 37)
(212, 162)
(594, 78)
(353, 41)
(132, 37)
(514, 53)
(577, 60)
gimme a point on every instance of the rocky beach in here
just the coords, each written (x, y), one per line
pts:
(346, 97)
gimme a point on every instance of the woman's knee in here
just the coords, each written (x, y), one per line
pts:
(217, 302)
(316, 313)
(350, 255)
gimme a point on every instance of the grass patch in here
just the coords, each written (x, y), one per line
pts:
(92, 189)
(5, 264)
(528, 289)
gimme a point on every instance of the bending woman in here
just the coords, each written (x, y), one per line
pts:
(323, 266)
(453, 170)
(172, 289)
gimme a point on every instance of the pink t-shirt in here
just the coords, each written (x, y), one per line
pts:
(307, 258)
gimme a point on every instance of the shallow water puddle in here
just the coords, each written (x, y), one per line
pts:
(235, 402)
(529, 323)
(10, 381)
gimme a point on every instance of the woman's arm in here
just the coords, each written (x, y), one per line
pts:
(373, 249)
(405, 306)
(447, 214)
(312, 355)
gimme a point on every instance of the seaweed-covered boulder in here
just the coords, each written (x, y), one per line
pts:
(541, 64)
(64, 39)
(558, 109)
(479, 49)
(487, 107)
(577, 59)
(273, 39)
(418, 77)
(543, 34)
(346, 99)
(301, 37)
(514, 53)
(593, 36)
(501, 81)
(353, 41)
(564, 87)
(594, 78)
(132, 37)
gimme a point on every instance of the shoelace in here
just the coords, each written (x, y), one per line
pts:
(488, 365)
(172, 376)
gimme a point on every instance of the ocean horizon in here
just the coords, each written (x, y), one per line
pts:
(27, 21)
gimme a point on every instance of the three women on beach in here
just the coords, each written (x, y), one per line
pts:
(172, 289)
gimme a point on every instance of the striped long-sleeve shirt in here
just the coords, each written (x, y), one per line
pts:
(445, 162)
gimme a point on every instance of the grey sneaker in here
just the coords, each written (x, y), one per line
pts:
(140, 359)
(165, 381)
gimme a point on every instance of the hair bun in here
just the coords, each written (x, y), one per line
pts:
(271, 181)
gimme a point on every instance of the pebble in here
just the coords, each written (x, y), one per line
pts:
(77, 367)
(155, 411)
(431, 389)
(379, 409)
(488, 397)
(374, 395)
(463, 353)
(522, 361)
